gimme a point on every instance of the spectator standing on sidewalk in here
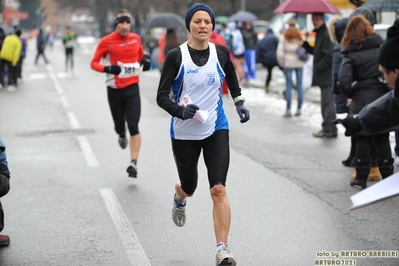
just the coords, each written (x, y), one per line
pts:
(322, 72)
(9, 56)
(382, 115)
(236, 44)
(360, 80)
(24, 42)
(336, 29)
(250, 41)
(4, 188)
(266, 54)
(288, 59)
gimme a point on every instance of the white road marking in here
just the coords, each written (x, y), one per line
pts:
(88, 153)
(64, 101)
(37, 76)
(132, 245)
(73, 120)
(49, 67)
(57, 85)
(84, 143)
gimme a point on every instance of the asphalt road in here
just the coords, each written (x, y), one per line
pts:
(71, 202)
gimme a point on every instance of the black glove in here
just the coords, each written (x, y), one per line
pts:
(189, 111)
(351, 123)
(243, 112)
(145, 62)
(113, 69)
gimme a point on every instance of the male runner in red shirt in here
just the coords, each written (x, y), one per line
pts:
(122, 56)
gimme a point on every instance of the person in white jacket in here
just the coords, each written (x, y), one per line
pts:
(288, 59)
(237, 47)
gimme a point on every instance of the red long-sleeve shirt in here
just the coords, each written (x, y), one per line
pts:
(125, 51)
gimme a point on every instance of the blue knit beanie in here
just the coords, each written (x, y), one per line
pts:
(195, 8)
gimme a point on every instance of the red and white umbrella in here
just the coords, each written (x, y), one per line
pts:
(307, 7)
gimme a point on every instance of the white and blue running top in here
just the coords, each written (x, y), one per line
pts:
(202, 86)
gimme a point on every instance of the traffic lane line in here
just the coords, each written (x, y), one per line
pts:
(134, 250)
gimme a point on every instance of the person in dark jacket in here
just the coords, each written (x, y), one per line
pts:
(374, 171)
(266, 54)
(382, 115)
(4, 188)
(24, 42)
(322, 72)
(360, 79)
(336, 29)
(41, 44)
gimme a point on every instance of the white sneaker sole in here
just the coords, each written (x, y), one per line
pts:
(227, 262)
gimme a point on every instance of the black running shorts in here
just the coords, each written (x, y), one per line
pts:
(216, 153)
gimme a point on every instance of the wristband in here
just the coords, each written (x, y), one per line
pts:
(239, 98)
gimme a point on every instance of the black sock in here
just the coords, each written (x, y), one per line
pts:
(134, 162)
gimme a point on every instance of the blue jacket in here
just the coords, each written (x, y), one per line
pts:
(266, 50)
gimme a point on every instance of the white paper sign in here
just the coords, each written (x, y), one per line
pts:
(200, 115)
(383, 189)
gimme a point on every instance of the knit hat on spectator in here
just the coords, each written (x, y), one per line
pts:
(365, 12)
(389, 52)
(195, 8)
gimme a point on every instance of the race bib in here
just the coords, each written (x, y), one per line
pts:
(129, 69)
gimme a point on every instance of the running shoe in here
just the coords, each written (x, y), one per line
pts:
(122, 141)
(224, 257)
(132, 170)
(179, 213)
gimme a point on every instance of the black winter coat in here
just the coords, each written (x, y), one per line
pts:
(322, 57)
(340, 99)
(359, 77)
(380, 116)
